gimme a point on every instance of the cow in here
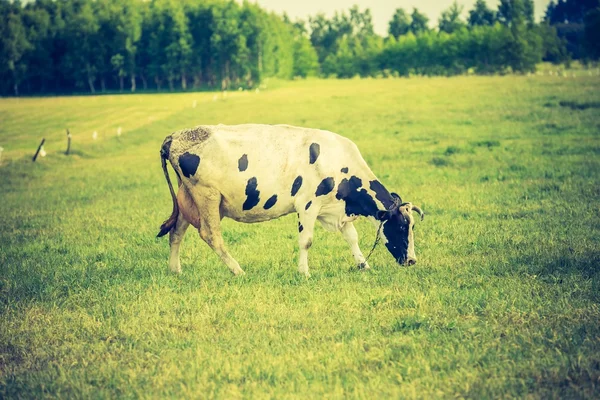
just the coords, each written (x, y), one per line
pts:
(254, 173)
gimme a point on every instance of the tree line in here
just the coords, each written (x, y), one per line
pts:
(65, 46)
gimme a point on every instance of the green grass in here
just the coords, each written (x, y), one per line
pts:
(504, 301)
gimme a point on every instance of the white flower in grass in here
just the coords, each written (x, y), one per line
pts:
(42, 152)
(119, 130)
(95, 135)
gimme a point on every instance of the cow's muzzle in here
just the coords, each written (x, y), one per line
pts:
(408, 261)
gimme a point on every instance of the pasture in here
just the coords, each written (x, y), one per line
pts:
(503, 302)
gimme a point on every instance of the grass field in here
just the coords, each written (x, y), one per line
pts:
(504, 301)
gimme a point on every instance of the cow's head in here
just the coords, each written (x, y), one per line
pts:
(397, 229)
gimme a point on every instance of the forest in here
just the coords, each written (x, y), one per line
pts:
(78, 46)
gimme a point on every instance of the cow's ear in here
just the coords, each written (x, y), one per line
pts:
(396, 196)
(383, 215)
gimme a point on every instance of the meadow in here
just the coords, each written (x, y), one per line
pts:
(503, 302)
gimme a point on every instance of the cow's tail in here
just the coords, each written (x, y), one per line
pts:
(169, 224)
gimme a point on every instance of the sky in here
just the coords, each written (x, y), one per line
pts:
(382, 10)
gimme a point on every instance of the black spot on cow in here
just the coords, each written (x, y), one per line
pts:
(382, 194)
(300, 227)
(189, 164)
(308, 205)
(344, 170)
(358, 202)
(271, 202)
(314, 151)
(243, 163)
(346, 186)
(325, 187)
(252, 195)
(296, 185)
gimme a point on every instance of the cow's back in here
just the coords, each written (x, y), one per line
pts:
(274, 160)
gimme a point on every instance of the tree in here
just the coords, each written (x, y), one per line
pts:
(419, 22)
(325, 34)
(82, 61)
(356, 47)
(322, 36)
(400, 23)
(130, 31)
(226, 40)
(200, 22)
(253, 27)
(481, 15)
(525, 48)
(554, 47)
(592, 33)
(515, 11)
(570, 18)
(306, 60)
(278, 48)
(38, 58)
(569, 11)
(361, 23)
(170, 46)
(118, 63)
(342, 63)
(120, 28)
(13, 37)
(450, 20)
(143, 56)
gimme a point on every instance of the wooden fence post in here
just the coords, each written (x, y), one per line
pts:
(38, 149)
(68, 143)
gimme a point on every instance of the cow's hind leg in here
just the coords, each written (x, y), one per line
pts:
(210, 227)
(175, 238)
(351, 236)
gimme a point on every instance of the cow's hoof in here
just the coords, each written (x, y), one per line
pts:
(175, 270)
(363, 267)
(238, 272)
(305, 273)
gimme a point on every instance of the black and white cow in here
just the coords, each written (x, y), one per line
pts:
(254, 173)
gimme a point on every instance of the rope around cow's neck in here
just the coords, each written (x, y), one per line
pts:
(377, 238)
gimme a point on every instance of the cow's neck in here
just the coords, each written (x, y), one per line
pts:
(364, 195)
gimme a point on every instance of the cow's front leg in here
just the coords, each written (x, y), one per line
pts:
(210, 227)
(306, 226)
(175, 238)
(349, 232)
